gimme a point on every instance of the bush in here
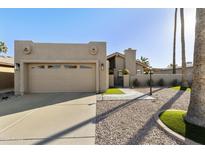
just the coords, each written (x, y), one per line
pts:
(174, 83)
(136, 83)
(125, 72)
(161, 82)
(111, 72)
(150, 82)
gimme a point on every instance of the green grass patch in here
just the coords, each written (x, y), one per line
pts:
(113, 91)
(174, 119)
(179, 88)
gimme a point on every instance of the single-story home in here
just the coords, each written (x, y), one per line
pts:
(56, 67)
(118, 62)
(6, 72)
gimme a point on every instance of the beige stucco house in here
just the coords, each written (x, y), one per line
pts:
(56, 67)
(6, 73)
(118, 62)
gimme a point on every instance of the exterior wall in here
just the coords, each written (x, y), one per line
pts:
(111, 80)
(178, 71)
(140, 69)
(130, 60)
(6, 77)
(168, 78)
(51, 52)
(126, 81)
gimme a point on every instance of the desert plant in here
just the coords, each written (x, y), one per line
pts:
(125, 72)
(150, 82)
(136, 83)
(174, 82)
(161, 82)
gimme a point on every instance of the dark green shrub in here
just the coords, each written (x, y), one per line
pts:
(161, 82)
(111, 72)
(150, 82)
(174, 83)
(136, 83)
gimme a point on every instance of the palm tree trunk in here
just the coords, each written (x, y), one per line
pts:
(174, 42)
(184, 83)
(196, 110)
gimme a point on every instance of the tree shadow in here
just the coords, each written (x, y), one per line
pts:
(96, 119)
(141, 133)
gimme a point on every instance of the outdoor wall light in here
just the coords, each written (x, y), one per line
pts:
(17, 66)
(102, 66)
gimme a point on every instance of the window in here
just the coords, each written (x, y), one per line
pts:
(70, 66)
(54, 66)
(85, 67)
(38, 67)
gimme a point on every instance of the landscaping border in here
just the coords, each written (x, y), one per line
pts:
(171, 132)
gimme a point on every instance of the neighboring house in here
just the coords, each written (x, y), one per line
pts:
(118, 62)
(6, 73)
(55, 67)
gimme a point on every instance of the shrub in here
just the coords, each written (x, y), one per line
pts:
(150, 82)
(161, 82)
(111, 72)
(136, 83)
(174, 82)
(125, 72)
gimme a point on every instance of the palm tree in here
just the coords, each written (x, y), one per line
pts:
(3, 47)
(196, 110)
(144, 60)
(184, 83)
(174, 42)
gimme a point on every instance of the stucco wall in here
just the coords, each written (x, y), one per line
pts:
(168, 78)
(130, 60)
(6, 80)
(139, 67)
(60, 52)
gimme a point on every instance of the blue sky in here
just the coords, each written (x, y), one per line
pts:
(150, 31)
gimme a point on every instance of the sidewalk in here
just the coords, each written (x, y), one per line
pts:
(129, 94)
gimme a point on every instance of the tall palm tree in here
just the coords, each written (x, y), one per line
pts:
(196, 110)
(144, 60)
(3, 47)
(174, 42)
(184, 83)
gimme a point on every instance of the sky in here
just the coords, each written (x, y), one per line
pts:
(149, 31)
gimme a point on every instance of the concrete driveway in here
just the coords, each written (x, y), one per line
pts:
(58, 118)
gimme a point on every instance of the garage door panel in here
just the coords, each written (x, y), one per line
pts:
(62, 79)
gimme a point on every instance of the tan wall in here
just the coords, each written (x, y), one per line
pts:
(168, 78)
(130, 61)
(44, 52)
(111, 80)
(119, 63)
(139, 67)
(126, 81)
(6, 80)
(178, 71)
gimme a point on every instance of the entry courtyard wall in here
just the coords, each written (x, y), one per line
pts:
(168, 78)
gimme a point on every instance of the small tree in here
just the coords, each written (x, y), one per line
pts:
(3, 47)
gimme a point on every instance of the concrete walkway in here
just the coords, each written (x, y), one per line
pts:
(129, 95)
(60, 118)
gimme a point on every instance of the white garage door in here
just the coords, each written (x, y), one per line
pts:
(62, 78)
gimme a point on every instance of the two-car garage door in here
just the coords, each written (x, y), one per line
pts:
(62, 77)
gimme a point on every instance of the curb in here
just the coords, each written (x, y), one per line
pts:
(171, 132)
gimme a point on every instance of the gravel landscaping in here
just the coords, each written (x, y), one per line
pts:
(132, 122)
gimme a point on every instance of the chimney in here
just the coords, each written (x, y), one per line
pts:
(130, 60)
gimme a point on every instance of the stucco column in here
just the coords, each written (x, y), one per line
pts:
(130, 60)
